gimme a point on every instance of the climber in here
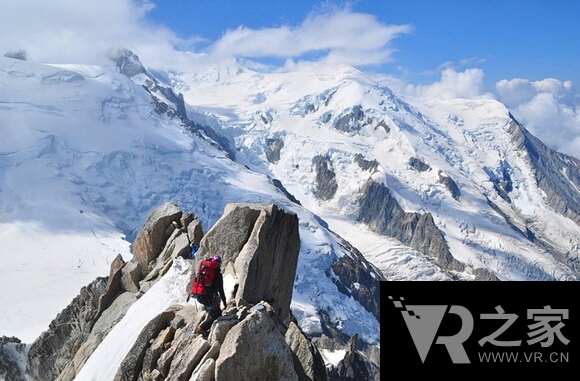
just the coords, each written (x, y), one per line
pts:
(213, 293)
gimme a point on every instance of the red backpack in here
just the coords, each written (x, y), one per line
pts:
(204, 278)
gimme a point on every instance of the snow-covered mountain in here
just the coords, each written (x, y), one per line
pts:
(86, 157)
(503, 200)
(425, 190)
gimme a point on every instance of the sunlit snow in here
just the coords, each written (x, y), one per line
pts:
(84, 159)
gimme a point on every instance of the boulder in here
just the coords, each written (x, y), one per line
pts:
(152, 238)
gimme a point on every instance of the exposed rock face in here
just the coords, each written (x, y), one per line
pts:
(501, 186)
(266, 265)
(290, 196)
(326, 185)
(351, 121)
(307, 361)
(352, 367)
(274, 148)
(128, 63)
(163, 108)
(450, 185)
(379, 209)
(55, 348)
(256, 338)
(152, 238)
(261, 244)
(382, 213)
(484, 276)
(419, 165)
(133, 364)
(560, 186)
(10, 347)
(256, 349)
(366, 165)
(359, 279)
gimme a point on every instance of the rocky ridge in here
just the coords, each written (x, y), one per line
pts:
(256, 338)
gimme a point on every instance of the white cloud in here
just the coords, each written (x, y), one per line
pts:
(453, 84)
(82, 31)
(338, 36)
(518, 91)
(75, 31)
(549, 109)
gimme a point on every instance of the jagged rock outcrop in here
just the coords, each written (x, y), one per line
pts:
(255, 348)
(450, 185)
(419, 165)
(153, 236)
(260, 246)
(502, 185)
(379, 209)
(61, 351)
(128, 63)
(352, 366)
(351, 121)
(134, 364)
(561, 186)
(366, 165)
(307, 361)
(483, 275)
(10, 350)
(381, 212)
(326, 185)
(274, 148)
(278, 184)
(359, 279)
(50, 354)
(257, 336)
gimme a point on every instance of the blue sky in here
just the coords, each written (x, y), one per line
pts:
(412, 39)
(532, 39)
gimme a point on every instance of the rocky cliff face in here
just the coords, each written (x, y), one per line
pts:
(560, 186)
(381, 212)
(257, 336)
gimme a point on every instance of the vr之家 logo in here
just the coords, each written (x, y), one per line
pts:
(423, 322)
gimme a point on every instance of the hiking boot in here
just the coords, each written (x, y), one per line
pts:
(202, 331)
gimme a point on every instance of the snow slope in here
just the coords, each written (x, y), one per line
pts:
(465, 139)
(84, 160)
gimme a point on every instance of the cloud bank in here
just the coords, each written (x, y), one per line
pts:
(467, 84)
(548, 108)
(82, 32)
(76, 31)
(338, 36)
